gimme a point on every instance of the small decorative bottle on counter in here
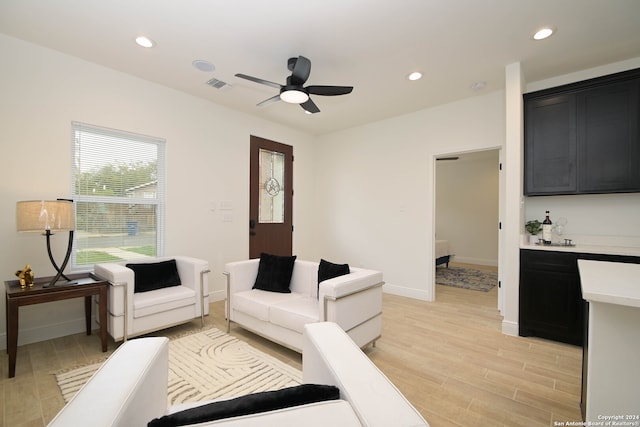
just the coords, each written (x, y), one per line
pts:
(546, 228)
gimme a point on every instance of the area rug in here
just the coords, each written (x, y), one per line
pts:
(206, 365)
(477, 280)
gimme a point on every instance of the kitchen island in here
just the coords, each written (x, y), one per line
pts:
(611, 362)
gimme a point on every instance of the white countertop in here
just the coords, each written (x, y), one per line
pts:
(610, 282)
(587, 249)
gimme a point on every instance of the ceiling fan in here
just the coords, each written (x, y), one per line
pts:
(293, 91)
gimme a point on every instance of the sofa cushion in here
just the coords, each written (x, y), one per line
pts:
(328, 270)
(162, 300)
(250, 404)
(295, 313)
(155, 275)
(256, 303)
(274, 273)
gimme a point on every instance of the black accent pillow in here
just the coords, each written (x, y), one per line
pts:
(250, 404)
(155, 275)
(328, 270)
(274, 273)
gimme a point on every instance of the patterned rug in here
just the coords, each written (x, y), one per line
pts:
(467, 278)
(206, 365)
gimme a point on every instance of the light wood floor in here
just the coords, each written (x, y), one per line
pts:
(448, 357)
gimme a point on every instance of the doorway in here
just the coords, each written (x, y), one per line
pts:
(467, 214)
(270, 198)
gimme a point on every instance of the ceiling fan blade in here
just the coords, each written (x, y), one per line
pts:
(329, 90)
(257, 80)
(310, 106)
(301, 71)
(269, 101)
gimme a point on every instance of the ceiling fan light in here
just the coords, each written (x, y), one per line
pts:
(294, 96)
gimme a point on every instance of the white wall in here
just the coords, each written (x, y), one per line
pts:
(376, 188)
(467, 206)
(592, 219)
(42, 91)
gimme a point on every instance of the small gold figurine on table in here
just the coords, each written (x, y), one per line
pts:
(26, 276)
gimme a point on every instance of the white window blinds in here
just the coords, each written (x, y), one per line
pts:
(118, 188)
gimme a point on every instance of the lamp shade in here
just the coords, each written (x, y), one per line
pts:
(42, 215)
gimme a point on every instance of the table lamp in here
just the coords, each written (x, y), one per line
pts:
(47, 216)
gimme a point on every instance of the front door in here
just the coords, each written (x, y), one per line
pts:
(271, 198)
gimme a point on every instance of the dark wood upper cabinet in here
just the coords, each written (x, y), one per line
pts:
(609, 152)
(584, 137)
(550, 147)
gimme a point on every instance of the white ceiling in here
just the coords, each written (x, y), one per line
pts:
(371, 45)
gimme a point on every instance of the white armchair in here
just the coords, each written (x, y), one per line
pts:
(135, 313)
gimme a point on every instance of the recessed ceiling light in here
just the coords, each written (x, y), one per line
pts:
(145, 41)
(543, 33)
(203, 65)
(415, 75)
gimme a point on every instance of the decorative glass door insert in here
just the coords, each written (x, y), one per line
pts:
(272, 174)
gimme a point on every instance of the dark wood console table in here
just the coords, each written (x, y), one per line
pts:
(86, 285)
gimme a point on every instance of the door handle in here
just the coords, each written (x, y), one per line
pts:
(252, 223)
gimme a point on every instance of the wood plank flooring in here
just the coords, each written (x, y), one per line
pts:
(449, 357)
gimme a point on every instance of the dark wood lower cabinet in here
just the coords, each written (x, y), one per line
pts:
(551, 304)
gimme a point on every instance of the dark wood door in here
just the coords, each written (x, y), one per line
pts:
(271, 198)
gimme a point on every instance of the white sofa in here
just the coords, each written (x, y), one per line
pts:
(131, 314)
(130, 389)
(353, 301)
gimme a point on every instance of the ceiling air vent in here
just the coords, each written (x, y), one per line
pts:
(218, 84)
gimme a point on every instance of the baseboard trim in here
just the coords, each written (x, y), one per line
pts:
(510, 328)
(49, 331)
(407, 292)
(477, 261)
(217, 295)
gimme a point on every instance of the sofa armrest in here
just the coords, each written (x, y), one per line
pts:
(129, 389)
(352, 299)
(114, 273)
(189, 270)
(329, 356)
(241, 274)
(121, 280)
(193, 274)
(356, 281)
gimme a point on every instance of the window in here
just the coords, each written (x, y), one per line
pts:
(118, 189)
(271, 206)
